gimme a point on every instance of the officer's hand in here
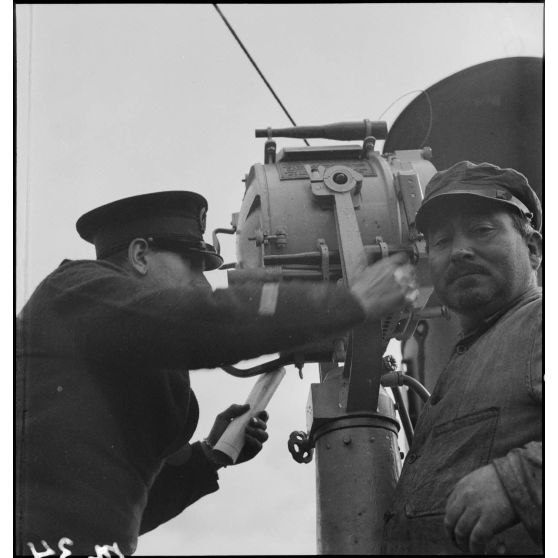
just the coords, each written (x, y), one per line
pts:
(255, 433)
(255, 436)
(386, 286)
(477, 509)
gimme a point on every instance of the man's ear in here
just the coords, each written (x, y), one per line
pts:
(534, 243)
(137, 250)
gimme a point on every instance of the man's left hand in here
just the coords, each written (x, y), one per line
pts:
(477, 509)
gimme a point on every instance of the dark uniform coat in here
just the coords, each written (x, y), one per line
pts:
(103, 393)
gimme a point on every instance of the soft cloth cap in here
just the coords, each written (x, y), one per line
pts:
(482, 180)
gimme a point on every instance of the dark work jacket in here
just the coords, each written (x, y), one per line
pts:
(485, 408)
(103, 393)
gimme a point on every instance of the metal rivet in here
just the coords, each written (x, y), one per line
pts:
(347, 440)
(340, 178)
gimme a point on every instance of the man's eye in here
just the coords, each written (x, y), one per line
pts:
(440, 241)
(483, 229)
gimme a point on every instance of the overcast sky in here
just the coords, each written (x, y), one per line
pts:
(121, 100)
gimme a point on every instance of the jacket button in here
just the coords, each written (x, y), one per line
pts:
(388, 515)
(412, 457)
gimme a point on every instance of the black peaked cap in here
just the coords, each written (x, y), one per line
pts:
(177, 216)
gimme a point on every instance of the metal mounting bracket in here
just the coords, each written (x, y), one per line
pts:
(363, 365)
(408, 190)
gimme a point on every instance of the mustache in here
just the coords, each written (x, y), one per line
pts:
(459, 270)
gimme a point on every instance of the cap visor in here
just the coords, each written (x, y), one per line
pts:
(424, 214)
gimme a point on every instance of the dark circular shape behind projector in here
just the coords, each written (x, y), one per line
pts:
(489, 112)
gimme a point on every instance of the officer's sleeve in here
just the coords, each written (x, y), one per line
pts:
(521, 469)
(119, 316)
(177, 487)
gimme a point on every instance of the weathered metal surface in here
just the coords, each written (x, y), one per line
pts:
(363, 364)
(271, 203)
(343, 131)
(356, 473)
(295, 169)
(364, 368)
(357, 467)
(336, 218)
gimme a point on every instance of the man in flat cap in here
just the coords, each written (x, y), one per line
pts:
(472, 480)
(105, 411)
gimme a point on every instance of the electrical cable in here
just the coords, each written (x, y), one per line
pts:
(392, 379)
(403, 414)
(255, 66)
(269, 366)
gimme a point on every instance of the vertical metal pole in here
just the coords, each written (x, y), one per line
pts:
(351, 418)
(357, 467)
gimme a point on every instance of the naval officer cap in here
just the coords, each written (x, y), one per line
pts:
(483, 180)
(174, 220)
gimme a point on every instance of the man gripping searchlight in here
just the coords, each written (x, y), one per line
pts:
(472, 480)
(105, 413)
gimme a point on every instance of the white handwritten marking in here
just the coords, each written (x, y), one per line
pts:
(105, 551)
(65, 551)
(48, 551)
(100, 551)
